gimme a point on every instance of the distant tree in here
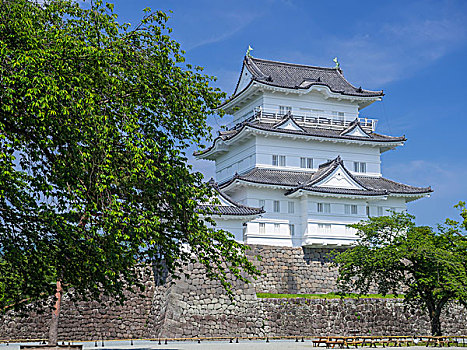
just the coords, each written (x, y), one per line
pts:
(393, 255)
(95, 118)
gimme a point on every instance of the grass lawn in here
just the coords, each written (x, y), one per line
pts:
(327, 296)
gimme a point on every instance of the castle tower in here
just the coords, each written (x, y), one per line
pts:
(298, 148)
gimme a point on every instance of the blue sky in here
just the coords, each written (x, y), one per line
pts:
(416, 51)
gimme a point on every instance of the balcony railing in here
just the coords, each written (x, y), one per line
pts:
(320, 120)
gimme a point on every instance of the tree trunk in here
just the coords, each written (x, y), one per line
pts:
(435, 322)
(53, 330)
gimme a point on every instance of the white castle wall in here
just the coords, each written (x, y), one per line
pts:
(305, 217)
(321, 152)
(239, 159)
(257, 151)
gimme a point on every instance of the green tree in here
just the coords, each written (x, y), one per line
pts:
(393, 255)
(95, 119)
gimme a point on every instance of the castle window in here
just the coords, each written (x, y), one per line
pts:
(285, 109)
(262, 227)
(324, 228)
(282, 160)
(278, 160)
(262, 203)
(306, 163)
(277, 207)
(291, 207)
(359, 167)
(351, 209)
(324, 207)
(277, 228)
(380, 211)
(292, 229)
(367, 211)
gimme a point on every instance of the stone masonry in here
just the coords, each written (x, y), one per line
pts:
(294, 270)
(199, 307)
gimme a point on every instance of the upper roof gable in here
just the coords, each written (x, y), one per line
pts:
(289, 124)
(333, 174)
(339, 178)
(355, 129)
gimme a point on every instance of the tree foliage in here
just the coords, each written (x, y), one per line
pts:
(95, 119)
(393, 255)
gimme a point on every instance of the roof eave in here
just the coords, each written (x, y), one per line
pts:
(233, 217)
(363, 101)
(303, 191)
(231, 184)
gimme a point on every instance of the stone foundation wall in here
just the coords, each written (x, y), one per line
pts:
(204, 310)
(288, 270)
(199, 307)
(89, 320)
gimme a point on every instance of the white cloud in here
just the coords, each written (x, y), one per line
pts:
(446, 179)
(219, 26)
(392, 50)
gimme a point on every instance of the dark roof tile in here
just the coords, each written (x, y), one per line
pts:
(297, 76)
(298, 179)
(233, 209)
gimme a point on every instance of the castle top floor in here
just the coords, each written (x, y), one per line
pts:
(315, 96)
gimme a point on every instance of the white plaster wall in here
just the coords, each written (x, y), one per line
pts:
(276, 224)
(240, 158)
(305, 217)
(321, 152)
(246, 111)
(304, 103)
(394, 203)
(233, 226)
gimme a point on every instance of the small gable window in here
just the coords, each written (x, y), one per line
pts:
(277, 228)
(359, 167)
(324, 207)
(278, 160)
(380, 211)
(351, 209)
(292, 229)
(306, 163)
(282, 160)
(277, 206)
(324, 228)
(283, 110)
(291, 207)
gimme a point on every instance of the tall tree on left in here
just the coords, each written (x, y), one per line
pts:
(95, 118)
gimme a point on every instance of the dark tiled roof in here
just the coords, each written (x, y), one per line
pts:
(307, 131)
(319, 132)
(297, 76)
(230, 210)
(391, 186)
(305, 180)
(272, 177)
(233, 209)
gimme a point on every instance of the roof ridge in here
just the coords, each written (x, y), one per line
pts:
(292, 64)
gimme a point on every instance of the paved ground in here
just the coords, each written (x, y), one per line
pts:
(211, 345)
